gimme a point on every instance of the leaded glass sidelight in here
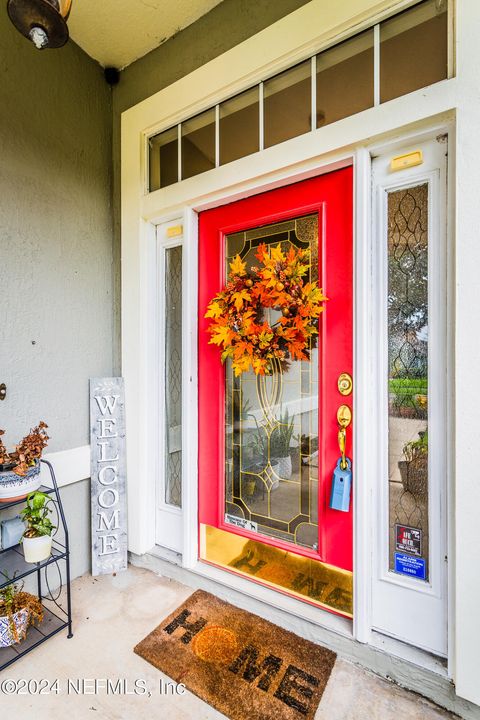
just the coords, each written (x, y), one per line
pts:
(271, 465)
(173, 376)
(407, 212)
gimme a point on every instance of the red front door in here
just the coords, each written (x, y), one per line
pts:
(268, 445)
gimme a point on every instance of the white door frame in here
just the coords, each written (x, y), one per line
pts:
(392, 592)
(424, 112)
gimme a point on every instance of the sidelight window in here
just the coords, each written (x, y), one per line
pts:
(173, 376)
(408, 311)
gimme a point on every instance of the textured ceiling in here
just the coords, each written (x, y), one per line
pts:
(117, 32)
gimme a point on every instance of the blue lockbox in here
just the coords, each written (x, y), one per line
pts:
(341, 486)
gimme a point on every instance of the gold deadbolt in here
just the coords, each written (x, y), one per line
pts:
(344, 416)
(345, 384)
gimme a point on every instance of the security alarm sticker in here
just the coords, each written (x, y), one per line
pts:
(408, 539)
(241, 523)
(412, 566)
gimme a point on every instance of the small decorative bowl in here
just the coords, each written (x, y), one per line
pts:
(14, 487)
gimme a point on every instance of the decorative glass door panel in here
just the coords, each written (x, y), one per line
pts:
(169, 519)
(407, 240)
(410, 538)
(173, 376)
(271, 421)
(269, 443)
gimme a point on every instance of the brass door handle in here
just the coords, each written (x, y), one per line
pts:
(342, 433)
(344, 418)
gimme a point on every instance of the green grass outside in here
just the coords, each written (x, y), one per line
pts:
(418, 386)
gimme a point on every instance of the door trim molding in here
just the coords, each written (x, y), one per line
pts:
(411, 116)
(363, 410)
(364, 372)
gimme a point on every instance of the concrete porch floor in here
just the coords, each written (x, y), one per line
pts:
(112, 614)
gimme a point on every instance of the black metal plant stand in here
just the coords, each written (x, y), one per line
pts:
(14, 568)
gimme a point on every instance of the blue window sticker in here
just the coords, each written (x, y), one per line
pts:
(412, 566)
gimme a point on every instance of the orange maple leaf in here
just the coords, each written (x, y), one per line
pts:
(262, 252)
(239, 297)
(242, 348)
(221, 335)
(238, 267)
(214, 310)
(241, 365)
(259, 365)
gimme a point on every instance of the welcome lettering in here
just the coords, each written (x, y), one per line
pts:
(108, 476)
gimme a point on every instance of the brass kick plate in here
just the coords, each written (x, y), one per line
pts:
(345, 384)
(303, 577)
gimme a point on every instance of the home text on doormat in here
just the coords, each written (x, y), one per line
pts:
(237, 662)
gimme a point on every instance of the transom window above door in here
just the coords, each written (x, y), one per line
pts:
(403, 53)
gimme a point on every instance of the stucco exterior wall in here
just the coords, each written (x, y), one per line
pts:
(56, 300)
(56, 304)
(75, 497)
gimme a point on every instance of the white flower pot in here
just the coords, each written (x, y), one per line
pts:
(276, 475)
(37, 549)
(20, 620)
(285, 467)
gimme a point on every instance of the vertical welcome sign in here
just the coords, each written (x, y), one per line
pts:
(108, 475)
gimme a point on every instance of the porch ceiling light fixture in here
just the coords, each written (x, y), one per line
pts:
(44, 22)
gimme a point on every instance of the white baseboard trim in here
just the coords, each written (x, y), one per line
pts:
(70, 466)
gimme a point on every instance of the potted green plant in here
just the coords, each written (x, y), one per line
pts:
(37, 538)
(257, 461)
(249, 484)
(414, 469)
(20, 468)
(18, 610)
(280, 440)
(239, 413)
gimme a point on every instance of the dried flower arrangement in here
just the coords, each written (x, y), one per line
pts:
(27, 452)
(4, 457)
(13, 599)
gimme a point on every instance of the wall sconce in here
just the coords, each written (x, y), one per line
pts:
(44, 22)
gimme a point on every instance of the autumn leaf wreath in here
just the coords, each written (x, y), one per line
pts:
(238, 324)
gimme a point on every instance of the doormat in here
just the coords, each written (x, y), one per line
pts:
(240, 664)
